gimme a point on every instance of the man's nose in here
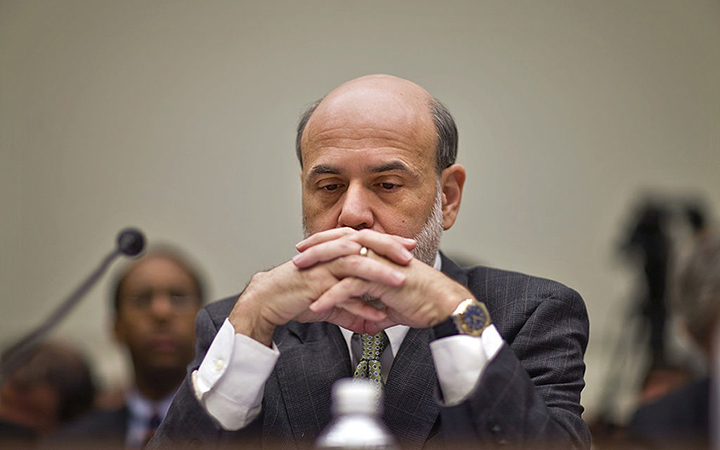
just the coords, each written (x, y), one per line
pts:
(161, 306)
(356, 207)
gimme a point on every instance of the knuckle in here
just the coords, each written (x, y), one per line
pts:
(364, 233)
(347, 284)
(314, 276)
(351, 264)
(258, 277)
(357, 284)
(347, 246)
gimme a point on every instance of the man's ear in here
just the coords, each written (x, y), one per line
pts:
(452, 181)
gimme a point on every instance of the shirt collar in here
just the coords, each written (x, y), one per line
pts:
(143, 408)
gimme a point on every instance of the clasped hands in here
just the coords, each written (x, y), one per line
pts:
(327, 280)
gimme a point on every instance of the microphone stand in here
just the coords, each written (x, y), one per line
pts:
(130, 242)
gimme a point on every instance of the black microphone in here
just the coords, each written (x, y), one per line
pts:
(130, 242)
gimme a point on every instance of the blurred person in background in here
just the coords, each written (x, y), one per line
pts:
(682, 417)
(53, 386)
(155, 300)
(697, 217)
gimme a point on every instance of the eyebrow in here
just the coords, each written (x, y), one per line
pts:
(325, 169)
(388, 167)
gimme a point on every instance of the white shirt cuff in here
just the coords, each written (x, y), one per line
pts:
(460, 361)
(230, 382)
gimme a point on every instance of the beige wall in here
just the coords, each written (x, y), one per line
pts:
(178, 117)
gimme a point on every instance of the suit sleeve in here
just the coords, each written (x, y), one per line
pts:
(530, 392)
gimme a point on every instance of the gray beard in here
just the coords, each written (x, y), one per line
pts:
(428, 239)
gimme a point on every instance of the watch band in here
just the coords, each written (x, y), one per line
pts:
(445, 328)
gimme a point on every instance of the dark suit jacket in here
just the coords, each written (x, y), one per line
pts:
(16, 435)
(529, 392)
(98, 429)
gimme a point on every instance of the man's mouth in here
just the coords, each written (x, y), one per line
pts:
(164, 343)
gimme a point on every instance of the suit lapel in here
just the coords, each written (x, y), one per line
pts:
(410, 406)
(311, 359)
(452, 270)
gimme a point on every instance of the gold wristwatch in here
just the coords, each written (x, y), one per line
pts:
(471, 317)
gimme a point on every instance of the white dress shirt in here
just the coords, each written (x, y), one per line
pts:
(142, 411)
(230, 381)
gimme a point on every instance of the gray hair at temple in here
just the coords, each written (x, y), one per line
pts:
(447, 134)
(696, 293)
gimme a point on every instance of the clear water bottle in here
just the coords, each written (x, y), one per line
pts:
(357, 406)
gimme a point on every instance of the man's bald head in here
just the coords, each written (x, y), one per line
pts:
(385, 99)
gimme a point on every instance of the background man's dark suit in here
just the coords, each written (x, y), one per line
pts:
(530, 391)
(681, 417)
(106, 429)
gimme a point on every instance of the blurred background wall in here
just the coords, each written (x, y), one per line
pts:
(178, 117)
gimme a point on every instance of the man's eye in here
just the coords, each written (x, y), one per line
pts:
(330, 187)
(141, 300)
(388, 186)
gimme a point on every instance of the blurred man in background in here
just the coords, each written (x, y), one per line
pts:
(682, 417)
(53, 386)
(155, 300)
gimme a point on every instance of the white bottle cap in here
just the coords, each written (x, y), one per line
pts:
(353, 396)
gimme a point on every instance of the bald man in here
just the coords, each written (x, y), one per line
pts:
(469, 356)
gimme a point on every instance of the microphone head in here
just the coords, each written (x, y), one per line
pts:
(131, 242)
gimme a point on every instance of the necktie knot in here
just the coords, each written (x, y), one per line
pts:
(369, 367)
(373, 345)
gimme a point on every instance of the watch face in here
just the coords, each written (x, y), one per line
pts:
(475, 319)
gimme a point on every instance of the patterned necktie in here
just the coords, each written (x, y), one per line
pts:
(369, 367)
